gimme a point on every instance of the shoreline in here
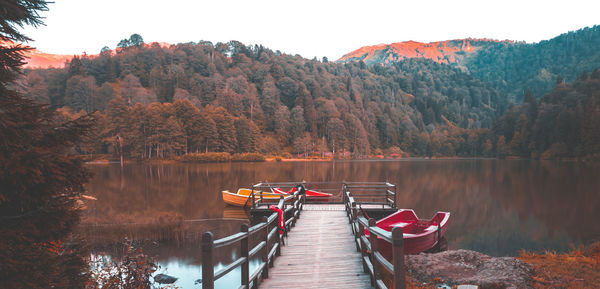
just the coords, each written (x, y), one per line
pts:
(278, 159)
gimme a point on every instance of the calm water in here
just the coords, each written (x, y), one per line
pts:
(498, 207)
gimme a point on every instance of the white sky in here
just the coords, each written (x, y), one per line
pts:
(310, 28)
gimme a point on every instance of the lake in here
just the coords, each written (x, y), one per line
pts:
(498, 207)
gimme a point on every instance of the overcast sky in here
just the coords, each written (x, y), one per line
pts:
(309, 28)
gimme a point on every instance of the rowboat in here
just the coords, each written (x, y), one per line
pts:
(243, 197)
(419, 235)
(311, 195)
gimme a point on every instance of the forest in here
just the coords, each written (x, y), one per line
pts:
(512, 68)
(154, 101)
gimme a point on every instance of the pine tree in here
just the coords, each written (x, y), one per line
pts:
(41, 179)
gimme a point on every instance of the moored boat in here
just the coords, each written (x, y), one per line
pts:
(243, 197)
(419, 234)
(311, 195)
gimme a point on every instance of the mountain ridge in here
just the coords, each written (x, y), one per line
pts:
(447, 51)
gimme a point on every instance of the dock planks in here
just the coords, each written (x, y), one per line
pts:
(319, 253)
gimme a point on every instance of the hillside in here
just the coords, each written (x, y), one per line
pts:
(513, 69)
(510, 67)
(450, 51)
(288, 103)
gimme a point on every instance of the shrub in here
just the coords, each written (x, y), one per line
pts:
(211, 157)
(248, 157)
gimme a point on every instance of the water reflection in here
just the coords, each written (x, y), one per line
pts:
(498, 207)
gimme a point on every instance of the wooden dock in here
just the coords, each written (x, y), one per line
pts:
(320, 253)
(325, 248)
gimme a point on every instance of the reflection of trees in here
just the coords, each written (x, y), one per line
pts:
(496, 206)
(181, 240)
(562, 195)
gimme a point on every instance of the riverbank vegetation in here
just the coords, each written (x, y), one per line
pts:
(579, 268)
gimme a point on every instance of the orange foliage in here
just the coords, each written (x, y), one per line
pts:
(576, 269)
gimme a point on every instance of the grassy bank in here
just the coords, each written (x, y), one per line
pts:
(579, 268)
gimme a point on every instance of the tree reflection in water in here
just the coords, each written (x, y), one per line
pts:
(497, 206)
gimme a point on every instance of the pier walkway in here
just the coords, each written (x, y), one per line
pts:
(319, 253)
(324, 247)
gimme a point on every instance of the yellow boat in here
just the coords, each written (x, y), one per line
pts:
(243, 197)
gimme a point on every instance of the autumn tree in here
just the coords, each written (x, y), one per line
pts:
(116, 133)
(336, 134)
(226, 136)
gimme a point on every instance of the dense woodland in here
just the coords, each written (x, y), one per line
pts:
(562, 123)
(153, 101)
(512, 68)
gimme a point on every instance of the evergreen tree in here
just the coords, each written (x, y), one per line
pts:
(41, 179)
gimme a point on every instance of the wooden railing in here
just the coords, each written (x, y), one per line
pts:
(324, 187)
(267, 229)
(373, 261)
(371, 193)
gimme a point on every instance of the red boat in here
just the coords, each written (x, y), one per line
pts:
(310, 194)
(419, 235)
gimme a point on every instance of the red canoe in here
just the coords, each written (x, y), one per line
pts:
(419, 235)
(310, 194)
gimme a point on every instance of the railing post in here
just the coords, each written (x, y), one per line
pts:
(208, 274)
(253, 200)
(265, 257)
(363, 247)
(387, 196)
(395, 196)
(353, 222)
(374, 248)
(244, 253)
(299, 199)
(398, 257)
(285, 228)
(294, 209)
(278, 238)
(352, 210)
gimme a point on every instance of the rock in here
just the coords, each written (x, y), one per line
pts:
(470, 267)
(164, 279)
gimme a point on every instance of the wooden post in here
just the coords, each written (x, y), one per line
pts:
(299, 199)
(294, 199)
(387, 196)
(285, 228)
(352, 213)
(208, 274)
(244, 252)
(395, 196)
(278, 238)
(253, 200)
(265, 257)
(374, 248)
(398, 257)
(363, 247)
(353, 223)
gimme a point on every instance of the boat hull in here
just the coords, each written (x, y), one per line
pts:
(419, 235)
(243, 198)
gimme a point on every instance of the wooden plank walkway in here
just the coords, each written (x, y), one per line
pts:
(319, 253)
